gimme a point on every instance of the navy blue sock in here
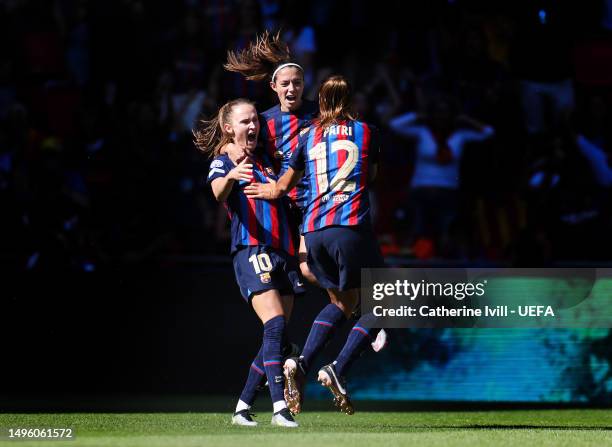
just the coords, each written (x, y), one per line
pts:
(272, 356)
(255, 379)
(358, 340)
(321, 331)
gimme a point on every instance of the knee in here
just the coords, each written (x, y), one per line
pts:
(346, 308)
(347, 303)
(274, 328)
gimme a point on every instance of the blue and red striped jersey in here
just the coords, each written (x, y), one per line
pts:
(282, 133)
(255, 222)
(336, 163)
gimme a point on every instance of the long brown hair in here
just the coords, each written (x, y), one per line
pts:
(335, 101)
(258, 61)
(210, 136)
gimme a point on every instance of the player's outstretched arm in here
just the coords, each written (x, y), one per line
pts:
(222, 186)
(274, 190)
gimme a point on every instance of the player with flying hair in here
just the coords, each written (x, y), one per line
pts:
(283, 126)
(262, 245)
(337, 162)
(268, 58)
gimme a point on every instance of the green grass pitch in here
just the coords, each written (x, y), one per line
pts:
(385, 429)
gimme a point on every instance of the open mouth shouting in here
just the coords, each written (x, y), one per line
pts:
(251, 138)
(291, 98)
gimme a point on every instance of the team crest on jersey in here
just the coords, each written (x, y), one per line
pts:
(265, 277)
(216, 164)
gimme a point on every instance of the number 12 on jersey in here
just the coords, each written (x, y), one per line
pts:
(339, 182)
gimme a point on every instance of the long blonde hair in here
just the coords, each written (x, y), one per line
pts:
(335, 101)
(259, 60)
(210, 136)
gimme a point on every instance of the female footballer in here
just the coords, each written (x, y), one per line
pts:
(262, 244)
(284, 125)
(337, 162)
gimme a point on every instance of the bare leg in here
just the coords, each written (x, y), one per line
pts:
(302, 257)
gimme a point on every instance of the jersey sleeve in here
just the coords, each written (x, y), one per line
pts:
(218, 168)
(297, 162)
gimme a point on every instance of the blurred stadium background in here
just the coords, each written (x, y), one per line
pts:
(115, 273)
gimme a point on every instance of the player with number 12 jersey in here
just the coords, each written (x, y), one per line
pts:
(336, 163)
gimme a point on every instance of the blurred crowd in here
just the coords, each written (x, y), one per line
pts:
(496, 121)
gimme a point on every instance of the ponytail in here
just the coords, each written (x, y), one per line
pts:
(335, 101)
(260, 59)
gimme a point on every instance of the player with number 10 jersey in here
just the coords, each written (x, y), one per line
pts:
(283, 126)
(262, 245)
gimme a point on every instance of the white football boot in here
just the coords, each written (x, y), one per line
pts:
(283, 418)
(243, 418)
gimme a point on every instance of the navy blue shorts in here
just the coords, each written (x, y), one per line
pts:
(337, 254)
(261, 268)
